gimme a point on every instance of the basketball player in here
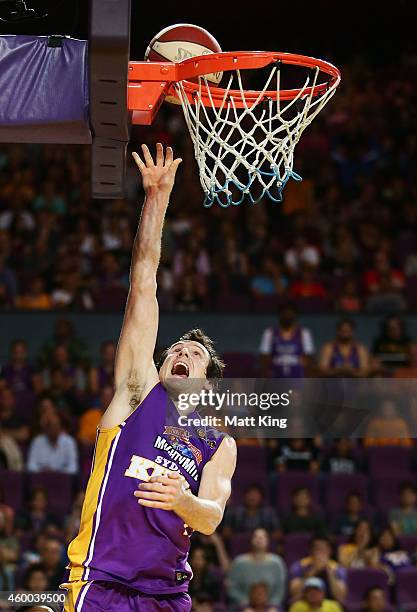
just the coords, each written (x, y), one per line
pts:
(152, 482)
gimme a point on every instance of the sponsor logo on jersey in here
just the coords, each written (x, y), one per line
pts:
(182, 448)
(185, 462)
(175, 434)
(203, 435)
(167, 463)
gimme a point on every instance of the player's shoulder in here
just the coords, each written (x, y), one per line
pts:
(228, 446)
(225, 455)
(226, 449)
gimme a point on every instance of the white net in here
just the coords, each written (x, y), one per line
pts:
(247, 152)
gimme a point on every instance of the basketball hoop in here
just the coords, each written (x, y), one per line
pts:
(244, 138)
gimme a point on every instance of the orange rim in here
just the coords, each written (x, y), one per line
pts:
(251, 60)
(229, 61)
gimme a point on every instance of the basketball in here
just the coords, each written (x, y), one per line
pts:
(181, 41)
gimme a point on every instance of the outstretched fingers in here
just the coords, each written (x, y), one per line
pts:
(169, 156)
(171, 163)
(147, 156)
(159, 154)
(138, 161)
(160, 172)
(174, 166)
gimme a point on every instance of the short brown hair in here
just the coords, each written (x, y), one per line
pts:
(215, 367)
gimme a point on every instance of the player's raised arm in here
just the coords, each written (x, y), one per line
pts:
(135, 372)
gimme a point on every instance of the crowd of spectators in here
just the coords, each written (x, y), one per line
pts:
(345, 238)
(49, 411)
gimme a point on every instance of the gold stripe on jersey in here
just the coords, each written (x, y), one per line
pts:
(73, 591)
(78, 548)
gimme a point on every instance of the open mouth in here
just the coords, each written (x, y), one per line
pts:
(180, 369)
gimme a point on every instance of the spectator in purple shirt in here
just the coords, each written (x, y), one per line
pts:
(391, 553)
(20, 375)
(321, 565)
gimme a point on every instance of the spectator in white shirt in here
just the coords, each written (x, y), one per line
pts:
(53, 450)
(301, 253)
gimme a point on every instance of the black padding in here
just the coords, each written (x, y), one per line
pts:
(109, 167)
(110, 120)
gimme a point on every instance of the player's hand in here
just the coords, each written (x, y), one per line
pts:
(158, 176)
(169, 492)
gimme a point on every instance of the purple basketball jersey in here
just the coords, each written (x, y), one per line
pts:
(120, 540)
(287, 354)
(339, 360)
